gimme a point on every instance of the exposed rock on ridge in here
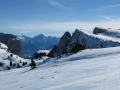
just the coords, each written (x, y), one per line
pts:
(13, 44)
(64, 43)
(65, 39)
(75, 42)
(107, 32)
(90, 41)
(61, 48)
(81, 40)
(98, 30)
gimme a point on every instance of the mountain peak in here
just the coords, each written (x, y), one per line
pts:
(66, 34)
(40, 36)
(40, 42)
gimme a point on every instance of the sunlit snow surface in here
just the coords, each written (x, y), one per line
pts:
(110, 34)
(92, 69)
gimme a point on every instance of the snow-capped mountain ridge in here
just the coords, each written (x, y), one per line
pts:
(107, 32)
(40, 42)
(82, 40)
(3, 46)
(95, 68)
(90, 40)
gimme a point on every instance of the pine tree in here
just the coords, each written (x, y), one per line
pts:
(23, 64)
(11, 55)
(33, 64)
(10, 63)
(14, 64)
(20, 61)
(18, 66)
(8, 67)
(1, 64)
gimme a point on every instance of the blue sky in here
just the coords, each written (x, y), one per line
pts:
(54, 17)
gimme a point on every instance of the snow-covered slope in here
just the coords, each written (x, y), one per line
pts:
(3, 46)
(81, 40)
(108, 32)
(90, 40)
(7, 57)
(91, 69)
(111, 34)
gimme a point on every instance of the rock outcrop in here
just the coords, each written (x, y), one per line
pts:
(65, 39)
(98, 30)
(65, 45)
(75, 45)
(90, 41)
(53, 52)
(81, 40)
(13, 44)
(115, 33)
(61, 48)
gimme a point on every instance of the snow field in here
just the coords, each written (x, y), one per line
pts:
(98, 71)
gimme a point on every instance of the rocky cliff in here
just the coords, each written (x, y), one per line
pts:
(11, 41)
(63, 44)
(81, 40)
(61, 48)
(98, 30)
(115, 33)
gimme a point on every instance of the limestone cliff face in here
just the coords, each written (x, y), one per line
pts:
(61, 48)
(65, 39)
(75, 45)
(98, 30)
(65, 45)
(81, 40)
(13, 44)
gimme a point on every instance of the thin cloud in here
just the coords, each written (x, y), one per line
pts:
(56, 27)
(106, 17)
(56, 4)
(25, 31)
(104, 7)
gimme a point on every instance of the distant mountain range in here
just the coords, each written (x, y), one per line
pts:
(67, 44)
(79, 40)
(40, 42)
